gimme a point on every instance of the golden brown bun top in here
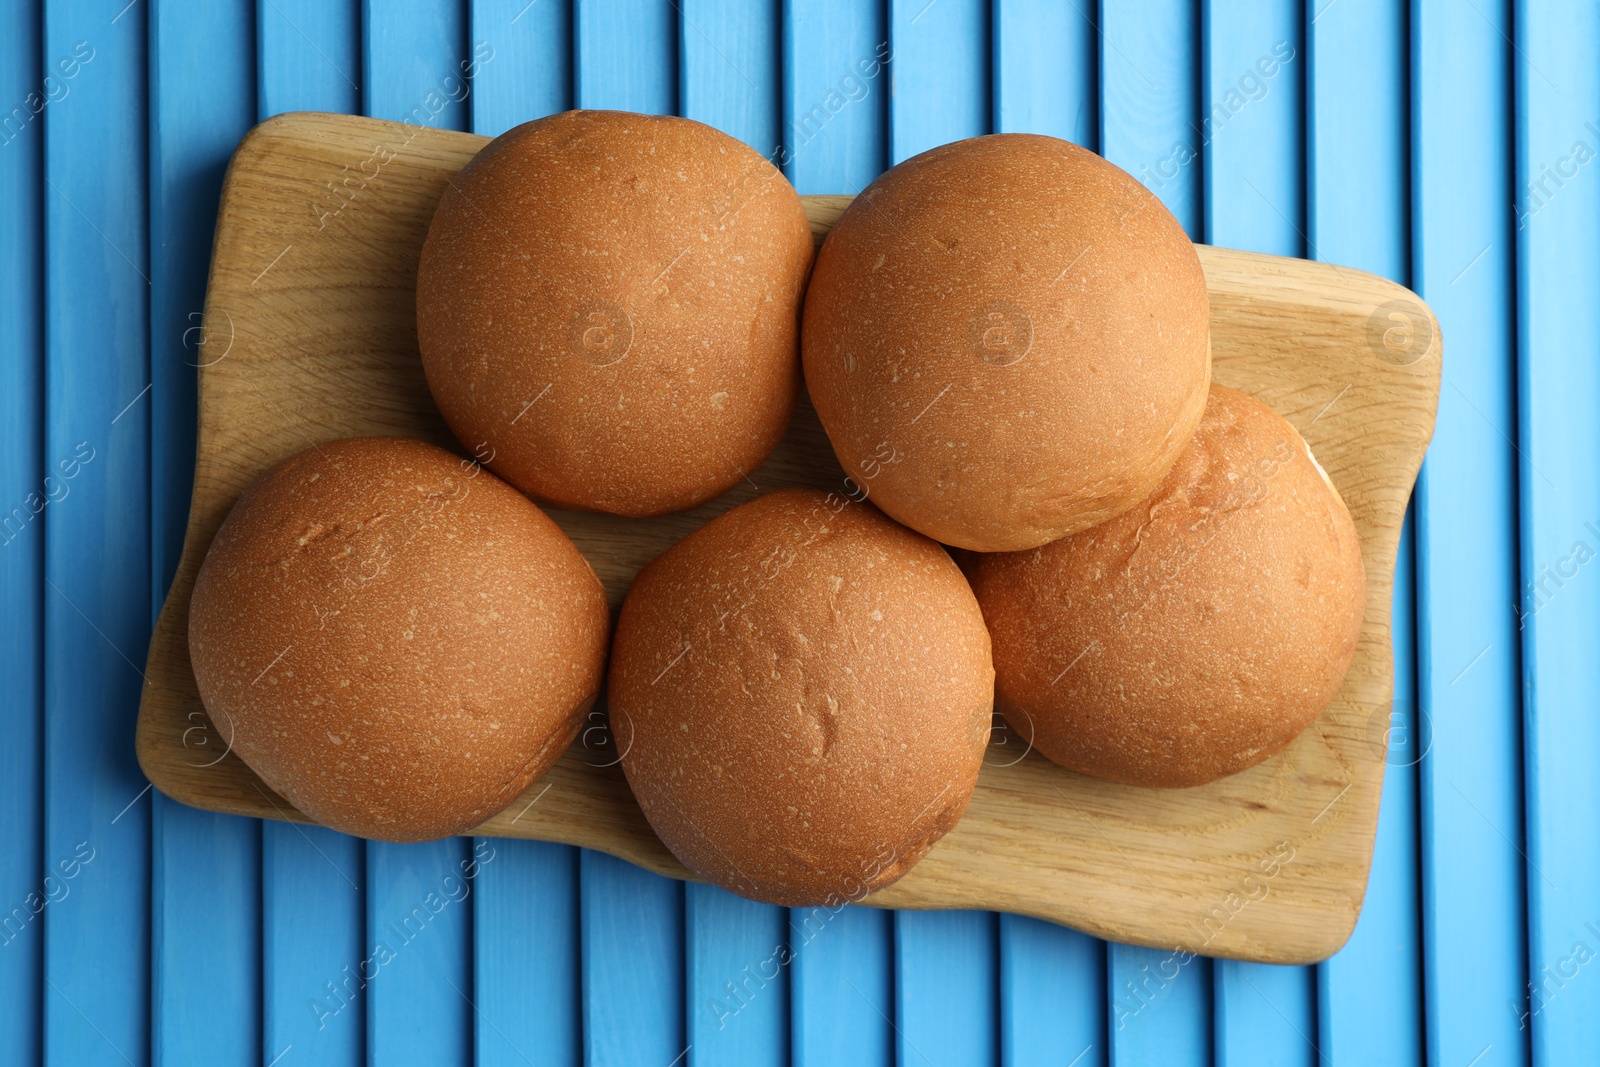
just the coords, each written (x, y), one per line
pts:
(1008, 336)
(802, 689)
(608, 304)
(1198, 633)
(393, 639)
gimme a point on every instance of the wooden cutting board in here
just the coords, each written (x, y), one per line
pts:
(308, 336)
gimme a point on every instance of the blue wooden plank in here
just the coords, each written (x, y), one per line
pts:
(97, 540)
(525, 946)
(737, 977)
(1252, 137)
(316, 958)
(835, 95)
(625, 55)
(315, 954)
(416, 63)
(730, 59)
(1149, 104)
(737, 981)
(835, 101)
(420, 1005)
(530, 72)
(413, 59)
(308, 56)
(1251, 125)
(24, 894)
(941, 74)
(1369, 995)
(1052, 980)
(1160, 1006)
(946, 985)
(1558, 321)
(1149, 123)
(206, 920)
(1474, 903)
(1052, 995)
(841, 986)
(633, 965)
(1046, 70)
(527, 967)
(945, 962)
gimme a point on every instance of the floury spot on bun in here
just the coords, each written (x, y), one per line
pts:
(396, 641)
(1195, 635)
(611, 303)
(1010, 337)
(803, 690)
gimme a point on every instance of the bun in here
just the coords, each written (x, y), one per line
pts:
(802, 690)
(393, 639)
(1195, 635)
(1007, 341)
(608, 305)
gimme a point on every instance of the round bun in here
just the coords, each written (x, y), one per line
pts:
(1007, 341)
(1195, 635)
(802, 692)
(393, 639)
(608, 309)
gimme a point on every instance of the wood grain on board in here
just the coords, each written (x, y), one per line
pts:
(309, 337)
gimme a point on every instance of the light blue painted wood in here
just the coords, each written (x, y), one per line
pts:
(1474, 903)
(633, 965)
(945, 962)
(420, 1007)
(836, 91)
(527, 967)
(835, 113)
(420, 1004)
(525, 946)
(626, 55)
(205, 883)
(1252, 149)
(941, 80)
(23, 892)
(1046, 70)
(841, 986)
(1149, 100)
(1251, 130)
(1558, 329)
(1159, 1003)
(1052, 995)
(729, 65)
(946, 987)
(317, 960)
(1369, 995)
(736, 1000)
(314, 951)
(414, 59)
(308, 56)
(528, 72)
(97, 539)
(1052, 980)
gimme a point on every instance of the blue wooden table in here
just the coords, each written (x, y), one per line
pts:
(1449, 144)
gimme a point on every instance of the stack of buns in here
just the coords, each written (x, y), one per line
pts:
(1006, 340)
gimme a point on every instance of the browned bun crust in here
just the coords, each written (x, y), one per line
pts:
(394, 639)
(1007, 340)
(608, 306)
(802, 690)
(1195, 635)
